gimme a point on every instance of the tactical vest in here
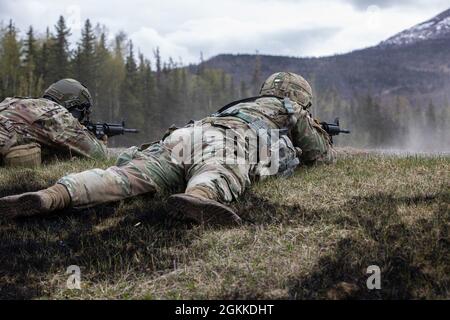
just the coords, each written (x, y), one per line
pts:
(254, 122)
(288, 159)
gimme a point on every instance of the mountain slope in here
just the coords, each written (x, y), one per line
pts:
(435, 28)
(412, 64)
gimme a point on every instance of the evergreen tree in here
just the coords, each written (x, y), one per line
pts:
(243, 90)
(10, 62)
(29, 65)
(116, 76)
(157, 56)
(102, 90)
(150, 110)
(152, 99)
(256, 77)
(59, 52)
(130, 89)
(84, 68)
(43, 63)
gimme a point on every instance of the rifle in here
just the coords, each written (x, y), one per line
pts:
(333, 129)
(99, 129)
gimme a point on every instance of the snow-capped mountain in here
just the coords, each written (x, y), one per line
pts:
(435, 28)
(414, 64)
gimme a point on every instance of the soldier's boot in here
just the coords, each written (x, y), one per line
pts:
(198, 205)
(34, 203)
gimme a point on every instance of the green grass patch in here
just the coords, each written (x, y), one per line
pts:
(309, 236)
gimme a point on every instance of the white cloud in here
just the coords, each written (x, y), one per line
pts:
(184, 28)
(150, 38)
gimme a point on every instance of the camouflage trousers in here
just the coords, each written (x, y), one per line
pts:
(219, 169)
(168, 166)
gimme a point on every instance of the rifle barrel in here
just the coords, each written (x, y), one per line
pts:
(131, 130)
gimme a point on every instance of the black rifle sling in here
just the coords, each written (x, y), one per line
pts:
(251, 99)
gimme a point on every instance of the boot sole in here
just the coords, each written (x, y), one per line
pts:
(26, 205)
(203, 211)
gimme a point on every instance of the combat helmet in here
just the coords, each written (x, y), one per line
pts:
(288, 84)
(72, 95)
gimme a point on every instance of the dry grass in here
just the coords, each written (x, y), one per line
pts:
(310, 236)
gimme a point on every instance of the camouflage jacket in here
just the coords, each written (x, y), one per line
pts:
(47, 123)
(304, 131)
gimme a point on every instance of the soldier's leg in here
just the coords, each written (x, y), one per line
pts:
(148, 171)
(96, 186)
(136, 172)
(211, 187)
(219, 178)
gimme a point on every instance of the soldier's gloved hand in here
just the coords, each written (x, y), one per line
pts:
(104, 139)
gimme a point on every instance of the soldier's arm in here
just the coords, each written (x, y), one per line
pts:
(67, 133)
(315, 143)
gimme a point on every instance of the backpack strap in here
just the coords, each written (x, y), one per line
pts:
(232, 104)
(287, 104)
(254, 122)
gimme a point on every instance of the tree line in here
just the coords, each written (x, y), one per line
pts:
(393, 123)
(152, 94)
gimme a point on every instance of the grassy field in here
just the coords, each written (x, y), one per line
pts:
(308, 237)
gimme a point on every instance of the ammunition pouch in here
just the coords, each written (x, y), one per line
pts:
(28, 155)
(284, 158)
(288, 155)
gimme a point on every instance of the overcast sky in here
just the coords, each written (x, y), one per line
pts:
(183, 28)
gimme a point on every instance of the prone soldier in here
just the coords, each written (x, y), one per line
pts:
(204, 165)
(48, 125)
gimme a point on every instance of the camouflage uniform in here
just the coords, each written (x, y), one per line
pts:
(154, 168)
(24, 121)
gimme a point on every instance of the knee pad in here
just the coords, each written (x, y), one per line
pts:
(27, 155)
